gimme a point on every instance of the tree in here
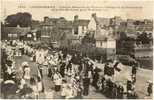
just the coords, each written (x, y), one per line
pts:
(143, 38)
(21, 19)
(88, 39)
(125, 44)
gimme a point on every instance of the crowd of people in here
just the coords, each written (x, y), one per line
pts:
(72, 74)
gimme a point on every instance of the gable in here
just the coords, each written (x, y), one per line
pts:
(92, 24)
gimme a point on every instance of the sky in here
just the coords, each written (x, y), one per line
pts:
(126, 9)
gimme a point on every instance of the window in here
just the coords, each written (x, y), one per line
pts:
(9, 35)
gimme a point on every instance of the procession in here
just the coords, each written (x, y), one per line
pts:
(72, 75)
(76, 49)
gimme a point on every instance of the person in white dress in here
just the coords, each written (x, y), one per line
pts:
(26, 71)
(58, 81)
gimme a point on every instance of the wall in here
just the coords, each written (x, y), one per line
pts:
(101, 44)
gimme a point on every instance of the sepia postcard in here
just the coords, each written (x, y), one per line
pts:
(76, 49)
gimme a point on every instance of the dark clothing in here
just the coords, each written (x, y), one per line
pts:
(149, 89)
(86, 82)
(40, 70)
(62, 69)
(103, 84)
(120, 91)
(69, 66)
(57, 88)
(132, 96)
(106, 69)
(49, 72)
(109, 88)
(129, 85)
(95, 80)
(134, 70)
(114, 92)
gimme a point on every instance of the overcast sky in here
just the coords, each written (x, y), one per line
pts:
(139, 9)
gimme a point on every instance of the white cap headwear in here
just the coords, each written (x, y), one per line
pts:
(129, 78)
(25, 63)
(149, 81)
(77, 77)
(129, 91)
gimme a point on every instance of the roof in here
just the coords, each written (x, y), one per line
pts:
(103, 21)
(58, 22)
(81, 22)
(65, 25)
(46, 24)
(16, 30)
(73, 37)
(54, 19)
(144, 28)
(104, 34)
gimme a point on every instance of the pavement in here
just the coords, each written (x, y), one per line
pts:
(142, 76)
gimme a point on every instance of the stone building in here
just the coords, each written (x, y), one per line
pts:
(80, 26)
(53, 29)
(103, 34)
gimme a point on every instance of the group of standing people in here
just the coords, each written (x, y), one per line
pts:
(17, 82)
(72, 75)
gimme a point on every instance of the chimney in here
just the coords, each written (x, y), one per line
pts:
(93, 15)
(76, 17)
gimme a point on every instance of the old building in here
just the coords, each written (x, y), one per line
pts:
(14, 32)
(103, 34)
(46, 28)
(80, 26)
(53, 29)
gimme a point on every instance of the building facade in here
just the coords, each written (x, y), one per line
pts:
(54, 29)
(103, 34)
(80, 26)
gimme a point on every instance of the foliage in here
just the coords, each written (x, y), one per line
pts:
(143, 38)
(21, 19)
(125, 44)
(88, 39)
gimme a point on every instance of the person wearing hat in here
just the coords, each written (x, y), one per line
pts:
(95, 80)
(134, 70)
(120, 91)
(86, 83)
(149, 88)
(129, 85)
(114, 91)
(129, 94)
(102, 84)
(109, 88)
(133, 79)
(106, 67)
(62, 69)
